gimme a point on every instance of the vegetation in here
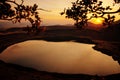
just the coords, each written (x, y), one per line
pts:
(84, 10)
(19, 11)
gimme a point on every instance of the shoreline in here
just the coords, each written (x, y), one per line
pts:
(108, 47)
(17, 72)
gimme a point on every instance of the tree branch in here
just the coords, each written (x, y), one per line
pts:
(43, 10)
(12, 2)
(112, 12)
(22, 2)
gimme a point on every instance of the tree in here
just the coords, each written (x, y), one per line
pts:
(19, 11)
(94, 8)
(117, 1)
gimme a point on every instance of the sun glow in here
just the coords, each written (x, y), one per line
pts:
(97, 20)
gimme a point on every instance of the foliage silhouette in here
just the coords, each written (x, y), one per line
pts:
(20, 11)
(117, 1)
(82, 9)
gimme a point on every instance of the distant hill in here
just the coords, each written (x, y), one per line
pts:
(112, 31)
(114, 28)
(59, 27)
(94, 26)
(117, 22)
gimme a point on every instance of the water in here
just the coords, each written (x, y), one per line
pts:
(61, 57)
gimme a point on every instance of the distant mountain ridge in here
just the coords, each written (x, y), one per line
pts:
(115, 27)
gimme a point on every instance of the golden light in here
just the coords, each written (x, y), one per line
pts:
(97, 20)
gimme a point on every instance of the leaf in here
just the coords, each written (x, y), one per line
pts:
(62, 13)
(95, 0)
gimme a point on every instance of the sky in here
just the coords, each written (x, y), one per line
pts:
(53, 17)
(56, 6)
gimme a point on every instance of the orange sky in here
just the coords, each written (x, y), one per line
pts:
(56, 6)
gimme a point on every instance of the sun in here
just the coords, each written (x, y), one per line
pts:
(97, 20)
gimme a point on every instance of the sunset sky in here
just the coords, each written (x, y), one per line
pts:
(54, 17)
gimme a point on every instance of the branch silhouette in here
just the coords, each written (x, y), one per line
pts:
(19, 11)
(83, 10)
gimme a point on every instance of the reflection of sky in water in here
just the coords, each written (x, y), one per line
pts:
(65, 57)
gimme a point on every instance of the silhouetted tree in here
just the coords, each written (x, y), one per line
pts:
(117, 1)
(19, 11)
(84, 10)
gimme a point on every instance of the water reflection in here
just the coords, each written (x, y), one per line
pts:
(62, 57)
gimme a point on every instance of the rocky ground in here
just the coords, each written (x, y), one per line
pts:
(107, 41)
(16, 72)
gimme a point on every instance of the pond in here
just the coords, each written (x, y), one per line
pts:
(61, 57)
